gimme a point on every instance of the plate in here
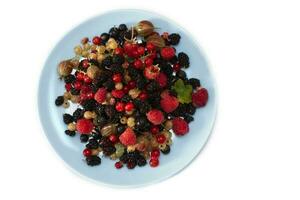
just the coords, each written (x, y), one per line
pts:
(184, 149)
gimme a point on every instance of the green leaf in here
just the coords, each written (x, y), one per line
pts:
(184, 92)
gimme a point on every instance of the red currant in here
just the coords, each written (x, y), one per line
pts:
(119, 51)
(118, 165)
(77, 85)
(129, 106)
(150, 46)
(154, 129)
(113, 138)
(138, 64)
(117, 78)
(85, 63)
(135, 54)
(143, 96)
(148, 61)
(80, 76)
(155, 153)
(90, 95)
(87, 79)
(96, 40)
(154, 162)
(141, 50)
(126, 89)
(120, 106)
(85, 89)
(87, 152)
(68, 87)
(131, 84)
(160, 138)
(176, 67)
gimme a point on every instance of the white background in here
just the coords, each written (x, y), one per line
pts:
(254, 151)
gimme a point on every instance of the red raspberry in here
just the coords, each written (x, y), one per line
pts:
(168, 102)
(117, 93)
(138, 64)
(100, 95)
(162, 79)
(150, 46)
(155, 116)
(128, 137)
(200, 97)
(180, 126)
(151, 72)
(167, 53)
(84, 126)
(141, 50)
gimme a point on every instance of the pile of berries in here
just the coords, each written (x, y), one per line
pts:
(132, 94)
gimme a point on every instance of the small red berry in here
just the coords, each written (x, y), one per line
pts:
(143, 96)
(150, 46)
(117, 78)
(87, 152)
(85, 89)
(141, 50)
(154, 162)
(84, 126)
(83, 97)
(135, 54)
(126, 89)
(161, 138)
(138, 64)
(129, 106)
(118, 165)
(176, 67)
(96, 40)
(117, 93)
(85, 63)
(155, 153)
(131, 84)
(167, 53)
(113, 138)
(152, 55)
(119, 51)
(120, 106)
(87, 79)
(77, 85)
(68, 86)
(90, 95)
(154, 129)
(148, 61)
(80, 76)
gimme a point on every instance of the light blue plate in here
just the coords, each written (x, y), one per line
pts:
(183, 150)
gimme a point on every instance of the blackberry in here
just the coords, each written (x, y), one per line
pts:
(142, 124)
(104, 142)
(115, 68)
(107, 61)
(194, 82)
(114, 32)
(152, 86)
(128, 34)
(144, 107)
(126, 98)
(190, 109)
(141, 161)
(84, 138)
(68, 118)
(93, 160)
(78, 114)
(154, 100)
(188, 118)
(124, 158)
(116, 118)
(89, 104)
(100, 121)
(174, 60)
(69, 79)
(109, 150)
(96, 135)
(100, 109)
(181, 74)
(166, 150)
(184, 60)
(122, 27)
(70, 133)
(104, 37)
(92, 144)
(134, 73)
(94, 88)
(131, 164)
(73, 91)
(118, 59)
(109, 84)
(121, 129)
(174, 38)
(94, 62)
(110, 111)
(101, 79)
(59, 100)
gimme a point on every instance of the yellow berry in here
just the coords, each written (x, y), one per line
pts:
(130, 122)
(71, 127)
(78, 50)
(119, 86)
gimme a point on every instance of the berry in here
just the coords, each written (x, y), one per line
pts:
(87, 152)
(148, 61)
(93, 160)
(141, 161)
(113, 138)
(80, 76)
(168, 102)
(155, 153)
(167, 53)
(154, 129)
(68, 87)
(131, 84)
(118, 59)
(77, 85)
(84, 138)
(155, 116)
(183, 60)
(117, 78)
(117, 93)
(138, 64)
(118, 51)
(129, 106)
(166, 150)
(141, 50)
(128, 137)
(131, 164)
(96, 40)
(67, 118)
(69, 79)
(200, 97)
(78, 113)
(160, 138)
(176, 67)
(120, 106)
(150, 46)
(118, 165)
(70, 133)
(151, 72)
(122, 27)
(154, 162)
(104, 37)
(85, 63)
(59, 100)
(162, 79)
(180, 126)
(84, 126)
(143, 96)
(194, 82)
(87, 79)
(174, 38)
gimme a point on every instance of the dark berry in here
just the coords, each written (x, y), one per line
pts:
(120, 129)
(152, 86)
(107, 61)
(100, 120)
(84, 138)
(181, 74)
(109, 150)
(166, 150)
(194, 82)
(96, 135)
(110, 111)
(118, 59)
(174, 38)
(70, 133)
(131, 164)
(174, 60)
(188, 118)
(190, 109)
(122, 27)
(68, 118)
(104, 37)
(89, 104)
(183, 60)
(69, 79)
(124, 158)
(59, 100)
(109, 84)
(74, 91)
(141, 161)
(92, 144)
(126, 98)
(93, 160)
(78, 114)
(167, 69)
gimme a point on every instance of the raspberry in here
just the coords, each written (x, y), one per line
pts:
(200, 97)
(151, 72)
(128, 137)
(155, 116)
(100, 95)
(180, 127)
(117, 93)
(84, 126)
(168, 102)
(167, 53)
(162, 79)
